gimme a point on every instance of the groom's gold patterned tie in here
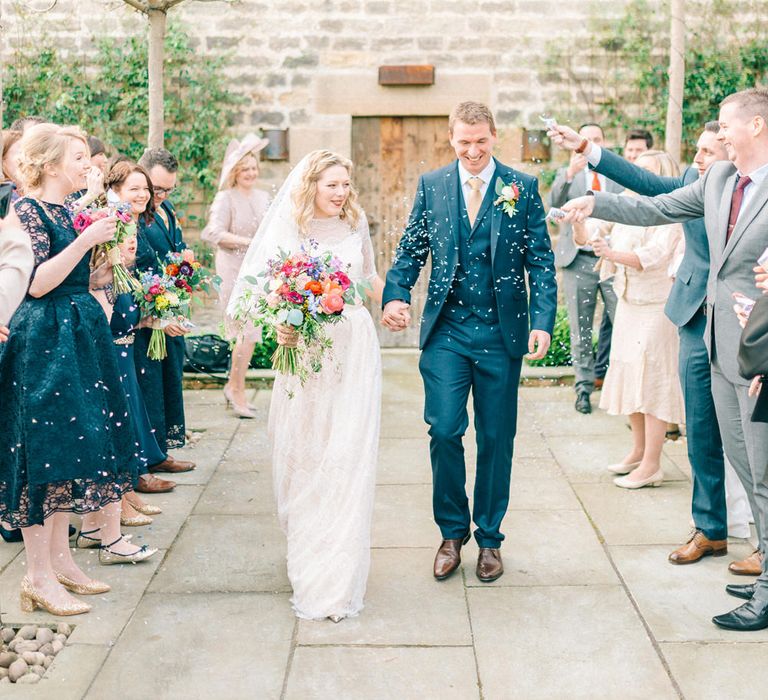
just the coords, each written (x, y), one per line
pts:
(475, 199)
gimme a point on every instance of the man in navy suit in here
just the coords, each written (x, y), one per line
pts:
(685, 308)
(483, 225)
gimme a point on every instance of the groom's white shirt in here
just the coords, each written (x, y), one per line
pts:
(485, 175)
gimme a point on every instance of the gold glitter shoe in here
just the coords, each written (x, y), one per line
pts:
(91, 588)
(147, 509)
(30, 600)
(107, 556)
(136, 520)
(83, 541)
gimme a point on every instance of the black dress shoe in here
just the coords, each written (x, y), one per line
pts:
(745, 591)
(583, 404)
(749, 617)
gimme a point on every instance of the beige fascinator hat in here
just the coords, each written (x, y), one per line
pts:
(236, 150)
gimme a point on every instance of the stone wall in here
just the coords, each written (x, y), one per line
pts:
(311, 66)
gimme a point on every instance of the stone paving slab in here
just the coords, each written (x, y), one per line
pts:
(678, 602)
(564, 642)
(717, 671)
(331, 673)
(228, 553)
(404, 606)
(643, 516)
(230, 646)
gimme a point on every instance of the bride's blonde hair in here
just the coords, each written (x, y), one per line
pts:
(303, 197)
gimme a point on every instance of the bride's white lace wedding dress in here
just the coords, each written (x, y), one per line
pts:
(324, 438)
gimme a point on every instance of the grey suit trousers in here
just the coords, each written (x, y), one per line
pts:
(746, 446)
(581, 286)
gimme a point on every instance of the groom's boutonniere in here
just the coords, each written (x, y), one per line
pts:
(508, 195)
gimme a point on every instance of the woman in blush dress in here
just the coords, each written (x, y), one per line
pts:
(324, 433)
(235, 216)
(642, 380)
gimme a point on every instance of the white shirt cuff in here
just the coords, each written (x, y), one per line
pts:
(594, 155)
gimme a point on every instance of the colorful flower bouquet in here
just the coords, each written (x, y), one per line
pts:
(189, 274)
(163, 302)
(166, 298)
(304, 291)
(123, 281)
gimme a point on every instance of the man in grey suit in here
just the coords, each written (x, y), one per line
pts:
(581, 282)
(733, 198)
(685, 308)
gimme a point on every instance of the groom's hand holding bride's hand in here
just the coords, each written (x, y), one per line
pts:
(538, 345)
(396, 316)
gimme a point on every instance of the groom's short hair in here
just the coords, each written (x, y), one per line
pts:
(471, 113)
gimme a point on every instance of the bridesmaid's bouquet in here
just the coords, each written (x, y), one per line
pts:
(304, 291)
(162, 302)
(167, 297)
(189, 274)
(123, 281)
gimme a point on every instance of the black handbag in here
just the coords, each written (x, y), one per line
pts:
(207, 354)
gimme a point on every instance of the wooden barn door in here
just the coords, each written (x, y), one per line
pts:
(389, 154)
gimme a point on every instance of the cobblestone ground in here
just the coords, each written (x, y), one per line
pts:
(588, 606)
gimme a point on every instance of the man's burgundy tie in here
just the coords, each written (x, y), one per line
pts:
(738, 196)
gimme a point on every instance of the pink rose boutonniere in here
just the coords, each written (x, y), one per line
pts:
(508, 194)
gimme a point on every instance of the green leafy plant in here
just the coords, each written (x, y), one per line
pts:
(559, 354)
(619, 77)
(262, 353)
(108, 98)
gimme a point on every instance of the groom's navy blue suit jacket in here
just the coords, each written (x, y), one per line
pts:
(519, 244)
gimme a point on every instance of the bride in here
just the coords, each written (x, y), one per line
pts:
(324, 434)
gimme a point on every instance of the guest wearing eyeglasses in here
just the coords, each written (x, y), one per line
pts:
(161, 381)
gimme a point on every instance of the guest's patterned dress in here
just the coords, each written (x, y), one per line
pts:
(67, 442)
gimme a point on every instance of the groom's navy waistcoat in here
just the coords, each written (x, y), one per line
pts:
(487, 274)
(471, 292)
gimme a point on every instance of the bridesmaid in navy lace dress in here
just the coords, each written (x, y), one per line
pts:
(68, 441)
(161, 381)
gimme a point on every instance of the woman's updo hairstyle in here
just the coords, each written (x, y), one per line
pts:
(41, 145)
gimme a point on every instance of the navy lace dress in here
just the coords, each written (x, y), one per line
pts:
(161, 380)
(125, 316)
(67, 441)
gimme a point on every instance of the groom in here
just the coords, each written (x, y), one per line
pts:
(475, 326)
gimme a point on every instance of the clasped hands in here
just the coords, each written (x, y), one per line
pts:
(396, 317)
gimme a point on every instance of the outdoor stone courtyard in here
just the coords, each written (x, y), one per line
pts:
(588, 606)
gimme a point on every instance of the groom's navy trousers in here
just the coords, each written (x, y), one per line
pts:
(464, 354)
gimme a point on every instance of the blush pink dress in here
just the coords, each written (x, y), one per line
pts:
(239, 214)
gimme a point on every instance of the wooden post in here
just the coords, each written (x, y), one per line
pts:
(674, 130)
(157, 25)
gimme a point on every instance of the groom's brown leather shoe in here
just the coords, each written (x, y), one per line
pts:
(697, 547)
(448, 558)
(489, 565)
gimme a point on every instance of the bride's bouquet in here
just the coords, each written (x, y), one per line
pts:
(303, 291)
(123, 281)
